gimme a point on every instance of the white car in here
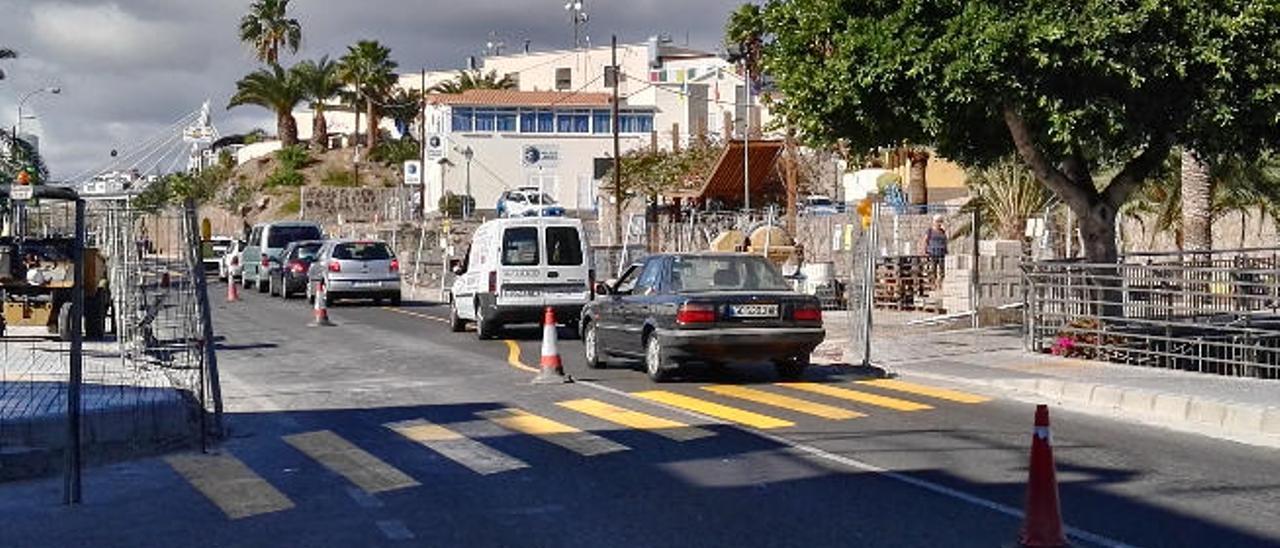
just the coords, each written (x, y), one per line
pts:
(231, 264)
(819, 205)
(528, 202)
(211, 252)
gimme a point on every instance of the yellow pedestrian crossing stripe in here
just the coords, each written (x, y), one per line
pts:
(634, 419)
(472, 454)
(568, 437)
(230, 485)
(785, 402)
(856, 396)
(922, 390)
(731, 414)
(357, 465)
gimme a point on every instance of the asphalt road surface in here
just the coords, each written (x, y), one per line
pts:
(389, 430)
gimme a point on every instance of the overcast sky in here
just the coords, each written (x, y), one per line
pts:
(129, 68)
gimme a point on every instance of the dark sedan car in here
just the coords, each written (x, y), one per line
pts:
(708, 308)
(291, 276)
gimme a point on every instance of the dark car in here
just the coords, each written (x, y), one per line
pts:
(291, 276)
(710, 308)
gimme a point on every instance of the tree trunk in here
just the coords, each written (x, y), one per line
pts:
(319, 131)
(1197, 196)
(287, 128)
(917, 186)
(371, 139)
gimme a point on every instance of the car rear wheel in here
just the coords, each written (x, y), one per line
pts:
(263, 285)
(395, 300)
(485, 328)
(591, 347)
(792, 369)
(271, 286)
(653, 359)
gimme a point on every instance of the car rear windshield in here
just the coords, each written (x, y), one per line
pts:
(280, 236)
(306, 252)
(564, 247)
(520, 246)
(362, 251)
(733, 273)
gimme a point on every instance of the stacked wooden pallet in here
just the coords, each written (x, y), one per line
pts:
(903, 282)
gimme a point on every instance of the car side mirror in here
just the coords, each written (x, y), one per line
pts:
(455, 266)
(602, 288)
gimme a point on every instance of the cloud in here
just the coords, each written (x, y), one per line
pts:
(105, 36)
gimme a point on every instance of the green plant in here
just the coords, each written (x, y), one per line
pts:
(451, 204)
(320, 83)
(266, 28)
(274, 89)
(368, 67)
(291, 206)
(474, 79)
(338, 178)
(284, 176)
(396, 152)
(293, 157)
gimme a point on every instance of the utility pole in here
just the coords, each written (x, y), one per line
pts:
(578, 16)
(355, 134)
(468, 153)
(422, 149)
(746, 135)
(617, 149)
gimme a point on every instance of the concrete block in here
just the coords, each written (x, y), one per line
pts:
(1106, 397)
(1243, 419)
(1271, 421)
(1171, 407)
(1207, 412)
(1050, 388)
(1019, 385)
(1137, 401)
(999, 247)
(1077, 392)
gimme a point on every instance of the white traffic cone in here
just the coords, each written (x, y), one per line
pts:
(551, 370)
(321, 309)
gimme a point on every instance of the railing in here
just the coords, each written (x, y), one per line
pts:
(1216, 313)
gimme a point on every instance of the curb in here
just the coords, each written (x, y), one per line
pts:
(1249, 424)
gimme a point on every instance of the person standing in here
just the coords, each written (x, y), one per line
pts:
(934, 246)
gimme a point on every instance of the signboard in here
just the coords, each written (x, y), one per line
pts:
(22, 192)
(413, 172)
(540, 156)
(435, 147)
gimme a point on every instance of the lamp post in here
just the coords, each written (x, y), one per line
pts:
(468, 154)
(27, 97)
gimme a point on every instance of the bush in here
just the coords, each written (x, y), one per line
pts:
(293, 157)
(284, 176)
(395, 152)
(451, 204)
(338, 177)
(292, 206)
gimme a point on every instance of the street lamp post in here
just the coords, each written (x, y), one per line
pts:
(468, 154)
(23, 101)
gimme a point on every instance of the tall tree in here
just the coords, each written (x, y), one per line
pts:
(404, 107)
(274, 89)
(1074, 87)
(368, 68)
(745, 31)
(22, 157)
(267, 27)
(1197, 203)
(320, 83)
(474, 79)
(6, 53)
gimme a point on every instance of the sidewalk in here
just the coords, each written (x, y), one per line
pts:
(1239, 409)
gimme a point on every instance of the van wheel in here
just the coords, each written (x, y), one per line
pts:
(262, 285)
(456, 323)
(485, 329)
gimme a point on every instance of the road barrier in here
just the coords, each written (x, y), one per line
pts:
(552, 370)
(1042, 520)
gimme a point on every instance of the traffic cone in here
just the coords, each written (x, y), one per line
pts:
(1042, 521)
(321, 310)
(551, 370)
(233, 290)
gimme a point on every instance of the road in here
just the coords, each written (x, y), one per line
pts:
(389, 430)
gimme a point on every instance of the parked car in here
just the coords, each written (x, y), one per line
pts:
(674, 310)
(515, 268)
(266, 242)
(289, 275)
(211, 252)
(528, 202)
(819, 205)
(355, 269)
(230, 265)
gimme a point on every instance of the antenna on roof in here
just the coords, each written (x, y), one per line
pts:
(578, 18)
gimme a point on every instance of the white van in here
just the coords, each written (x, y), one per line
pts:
(515, 268)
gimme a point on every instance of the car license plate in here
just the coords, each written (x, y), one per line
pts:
(753, 310)
(366, 284)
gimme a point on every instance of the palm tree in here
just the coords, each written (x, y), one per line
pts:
(368, 68)
(23, 157)
(745, 30)
(266, 27)
(1006, 195)
(474, 79)
(6, 53)
(404, 107)
(1197, 203)
(274, 89)
(320, 83)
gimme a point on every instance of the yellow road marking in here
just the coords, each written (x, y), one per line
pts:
(785, 402)
(229, 484)
(513, 357)
(357, 465)
(568, 437)
(472, 454)
(634, 419)
(912, 388)
(857, 396)
(705, 407)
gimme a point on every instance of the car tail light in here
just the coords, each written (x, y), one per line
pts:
(493, 282)
(235, 261)
(395, 265)
(335, 266)
(695, 313)
(266, 262)
(297, 267)
(808, 313)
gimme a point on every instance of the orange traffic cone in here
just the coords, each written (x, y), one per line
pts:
(321, 308)
(1042, 521)
(233, 290)
(551, 370)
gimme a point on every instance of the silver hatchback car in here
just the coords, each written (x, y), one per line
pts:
(355, 269)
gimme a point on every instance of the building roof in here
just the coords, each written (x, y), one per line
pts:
(514, 98)
(726, 181)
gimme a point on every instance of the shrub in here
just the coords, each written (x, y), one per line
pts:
(284, 176)
(293, 157)
(395, 152)
(338, 177)
(292, 206)
(451, 204)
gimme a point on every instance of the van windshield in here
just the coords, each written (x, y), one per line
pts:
(280, 236)
(564, 247)
(520, 246)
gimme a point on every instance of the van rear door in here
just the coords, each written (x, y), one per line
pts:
(564, 263)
